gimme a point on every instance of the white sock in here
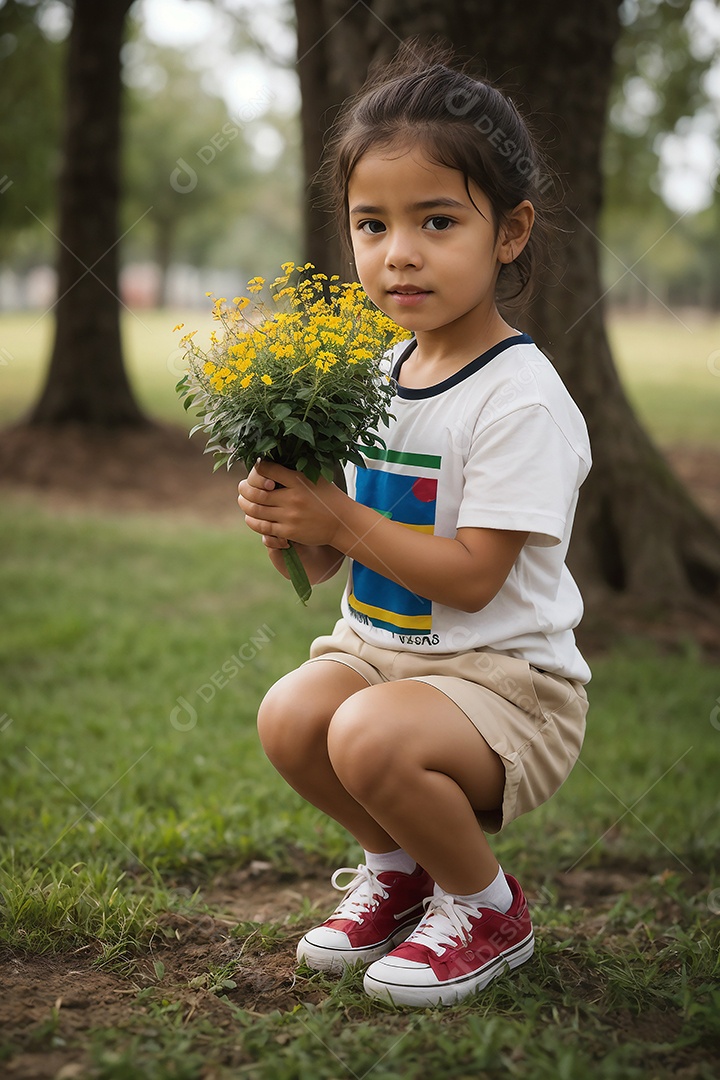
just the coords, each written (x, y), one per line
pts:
(389, 860)
(496, 895)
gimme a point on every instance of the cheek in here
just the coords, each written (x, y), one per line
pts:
(364, 264)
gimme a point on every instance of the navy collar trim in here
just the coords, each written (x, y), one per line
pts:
(459, 376)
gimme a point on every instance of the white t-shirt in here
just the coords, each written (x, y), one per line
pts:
(499, 445)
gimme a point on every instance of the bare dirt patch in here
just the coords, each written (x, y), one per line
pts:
(51, 1005)
(145, 470)
(158, 468)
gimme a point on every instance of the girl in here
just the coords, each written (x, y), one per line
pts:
(449, 698)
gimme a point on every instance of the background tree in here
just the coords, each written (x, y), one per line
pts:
(86, 382)
(638, 534)
(660, 89)
(226, 209)
(30, 78)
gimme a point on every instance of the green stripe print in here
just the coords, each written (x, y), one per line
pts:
(425, 461)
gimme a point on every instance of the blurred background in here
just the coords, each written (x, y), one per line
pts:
(212, 184)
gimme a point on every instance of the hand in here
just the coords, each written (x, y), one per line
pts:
(282, 504)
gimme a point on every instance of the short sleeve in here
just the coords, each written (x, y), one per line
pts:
(523, 473)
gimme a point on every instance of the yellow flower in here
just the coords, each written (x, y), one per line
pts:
(246, 381)
(209, 368)
(266, 379)
(255, 284)
(178, 327)
(241, 302)
(282, 351)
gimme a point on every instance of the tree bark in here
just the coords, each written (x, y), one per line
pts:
(638, 534)
(86, 381)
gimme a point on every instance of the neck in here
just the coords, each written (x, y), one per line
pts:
(455, 345)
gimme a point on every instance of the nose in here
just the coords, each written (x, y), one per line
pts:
(402, 250)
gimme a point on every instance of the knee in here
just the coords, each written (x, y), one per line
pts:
(288, 726)
(362, 747)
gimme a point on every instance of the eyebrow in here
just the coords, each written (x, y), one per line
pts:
(426, 204)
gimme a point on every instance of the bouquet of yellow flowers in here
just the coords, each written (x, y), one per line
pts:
(297, 383)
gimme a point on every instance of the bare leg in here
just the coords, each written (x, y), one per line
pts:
(293, 723)
(408, 755)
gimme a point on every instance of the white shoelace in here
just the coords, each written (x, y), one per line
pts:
(362, 893)
(444, 923)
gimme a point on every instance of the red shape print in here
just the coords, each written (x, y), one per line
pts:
(425, 490)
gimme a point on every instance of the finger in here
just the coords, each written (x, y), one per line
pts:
(257, 480)
(277, 473)
(254, 495)
(254, 509)
(260, 525)
(276, 543)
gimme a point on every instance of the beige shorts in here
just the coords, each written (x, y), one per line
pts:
(535, 721)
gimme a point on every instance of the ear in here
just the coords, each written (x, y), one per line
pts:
(515, 231)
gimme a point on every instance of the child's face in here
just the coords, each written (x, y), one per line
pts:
(424, 254)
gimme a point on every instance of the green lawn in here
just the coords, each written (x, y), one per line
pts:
(671, 368)
(133, 656)
(134, 651)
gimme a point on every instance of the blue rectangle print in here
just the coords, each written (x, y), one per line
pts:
(410, 500)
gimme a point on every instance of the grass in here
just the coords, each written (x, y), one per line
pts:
(670, 366)
(131, 774)
(133, 655)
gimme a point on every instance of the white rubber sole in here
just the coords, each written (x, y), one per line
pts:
(333, 960)
(452, 991)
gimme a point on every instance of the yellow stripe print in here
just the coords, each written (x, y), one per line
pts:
(408, 622)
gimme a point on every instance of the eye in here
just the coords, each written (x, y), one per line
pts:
(372, 227)
(438, 223)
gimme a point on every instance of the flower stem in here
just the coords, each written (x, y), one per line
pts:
(298, 576)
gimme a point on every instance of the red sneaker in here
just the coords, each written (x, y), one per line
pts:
(454, 951)
(377, 913)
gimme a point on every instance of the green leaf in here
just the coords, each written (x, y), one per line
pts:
(301, 430)
(312, 472)
(282, 410)
(265, 445)
(298, 576)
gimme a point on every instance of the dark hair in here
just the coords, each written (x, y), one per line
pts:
(461, 122)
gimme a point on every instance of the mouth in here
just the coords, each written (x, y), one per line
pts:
(407, 294)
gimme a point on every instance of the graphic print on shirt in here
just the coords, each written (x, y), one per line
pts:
(408, 498)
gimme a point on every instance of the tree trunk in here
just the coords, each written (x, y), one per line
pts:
(86, 382)
(638, 534)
